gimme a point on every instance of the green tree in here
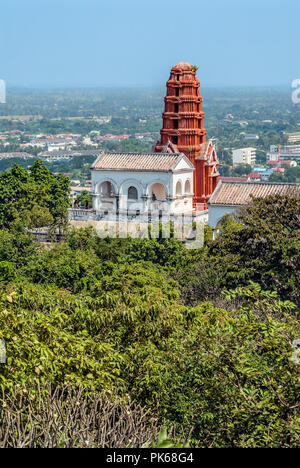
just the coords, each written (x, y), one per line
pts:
(84, 199)
(263, 247)
(33, 198)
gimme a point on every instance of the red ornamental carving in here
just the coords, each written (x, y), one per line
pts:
(183, 130)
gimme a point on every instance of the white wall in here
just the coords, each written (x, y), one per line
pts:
(143, 181)
(216, 213)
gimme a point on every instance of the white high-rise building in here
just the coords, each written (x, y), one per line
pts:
(244, 156)
(284, 153)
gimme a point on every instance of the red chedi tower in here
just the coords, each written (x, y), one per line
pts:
(183, 130)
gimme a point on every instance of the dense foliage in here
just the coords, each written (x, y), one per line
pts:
(34, 198)
(201, 338)
(264, 247)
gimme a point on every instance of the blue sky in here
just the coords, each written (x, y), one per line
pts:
(80, 43)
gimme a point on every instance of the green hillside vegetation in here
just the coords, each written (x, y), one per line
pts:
(202, 339)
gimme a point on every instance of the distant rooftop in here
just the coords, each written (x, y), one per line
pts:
(71, 153)
(77, 188)
(232, 179)
(15, 155)
(280, 161)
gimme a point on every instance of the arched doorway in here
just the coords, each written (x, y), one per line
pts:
(106, 199)
(107, 189)
(158, 192)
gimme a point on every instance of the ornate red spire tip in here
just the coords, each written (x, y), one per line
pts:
(182, 66)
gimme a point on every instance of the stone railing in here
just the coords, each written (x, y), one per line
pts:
(79, 214)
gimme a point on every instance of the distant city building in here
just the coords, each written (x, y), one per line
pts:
(76, 191)
(275, 149)
(289, 152)
(87, 141)
(244, 156)
(254, 176)
(63, 145)
(279, 163)
(292, 148)
(103, 119)
(250, 136)
(261, 173)
(34, 144)
(15, 155)
(111, 137)
(293, 137)
(61, 155)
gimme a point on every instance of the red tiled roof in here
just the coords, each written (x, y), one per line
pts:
(254, 174)
(239, 193)
(139, 161)
(279, 162)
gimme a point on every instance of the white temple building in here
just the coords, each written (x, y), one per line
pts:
(134, 183)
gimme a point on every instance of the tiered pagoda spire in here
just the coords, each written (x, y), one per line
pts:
(183, 130)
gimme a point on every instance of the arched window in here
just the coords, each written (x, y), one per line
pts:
(132, 193)
(187, 187)
(107, 189)
(178, 188)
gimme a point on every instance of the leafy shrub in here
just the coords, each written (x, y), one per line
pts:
(7, 272)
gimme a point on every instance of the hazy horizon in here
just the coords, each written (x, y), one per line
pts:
(81, 44)
(140, 87)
